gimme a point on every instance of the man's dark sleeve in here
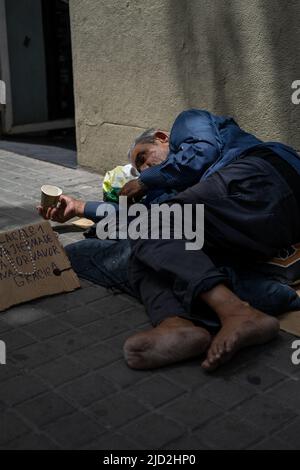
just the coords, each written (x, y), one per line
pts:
(91, 207)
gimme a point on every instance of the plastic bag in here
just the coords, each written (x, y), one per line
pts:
(115, 179)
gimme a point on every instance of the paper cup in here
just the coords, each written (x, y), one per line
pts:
(50, 195)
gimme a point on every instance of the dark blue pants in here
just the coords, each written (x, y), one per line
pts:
(103, 262)
(250, 213)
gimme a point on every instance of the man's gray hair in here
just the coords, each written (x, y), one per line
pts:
(147, 137)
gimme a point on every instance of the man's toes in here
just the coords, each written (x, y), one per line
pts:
(205, 364)
(208, 363)
(221, 348)
(215, 355)
(133, 350)
(210, 356)
(216, 350)
(210, 366)
(134, 361)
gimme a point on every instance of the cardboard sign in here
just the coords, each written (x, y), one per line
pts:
(33, 264)
(290, 321)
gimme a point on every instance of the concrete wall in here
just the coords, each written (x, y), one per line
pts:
(138, 63)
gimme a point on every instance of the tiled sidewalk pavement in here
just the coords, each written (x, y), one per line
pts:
(67, 386)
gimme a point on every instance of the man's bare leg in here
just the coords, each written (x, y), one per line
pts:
(174, 339)
(242, 325)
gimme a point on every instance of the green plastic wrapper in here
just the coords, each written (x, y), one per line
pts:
(115, 179)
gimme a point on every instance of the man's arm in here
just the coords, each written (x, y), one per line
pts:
(195, 144)
(91, 208)
(182, 169)
(70, 207)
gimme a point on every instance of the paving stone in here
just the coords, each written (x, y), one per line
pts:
(88, 389)
(72, 432)
(86, 283)
(12, 198)
(118, 341)
(122, 375)
(25, 314)
(81, 315)
(259, 376)
(279, 354)
(11, 427)
(189, 442)
(117, 410)
(105, 329)
(110, 305)
(47, 328)
(45, 408)
(155, 391)
(226, 393)
(154, 431)
(16, 339)
(61, 370)
(112, 441)
(288, 393)
(188, 375)
(4, 327)
(31, 441)
(285, 337)
(290, 434)
(34, 355)
(271, 443)
(191, 410)
(69, 342)
(133, 317)
(264, 413)
(228, 433)
(20, 388)
(8, 370)
(67, 301)
(97, 355)
(296, 371)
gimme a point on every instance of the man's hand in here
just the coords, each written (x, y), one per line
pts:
(68, 208)
(134, 190)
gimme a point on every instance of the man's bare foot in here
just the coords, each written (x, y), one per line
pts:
(244, 328)
(174, 339)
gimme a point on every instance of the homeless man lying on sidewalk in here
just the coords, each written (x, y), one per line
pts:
(251, 200)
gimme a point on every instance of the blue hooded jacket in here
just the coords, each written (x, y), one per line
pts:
(202, 143)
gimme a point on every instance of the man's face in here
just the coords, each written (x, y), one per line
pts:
(144, 156)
